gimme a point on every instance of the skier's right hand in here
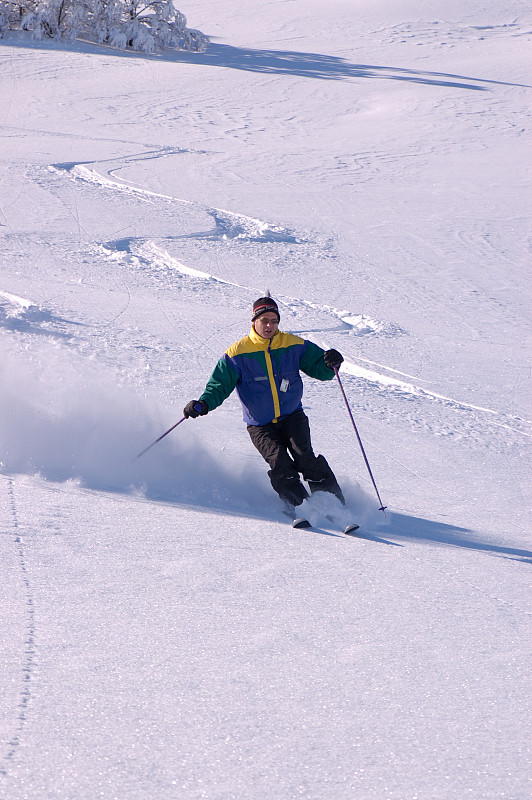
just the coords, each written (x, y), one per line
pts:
(196, 408)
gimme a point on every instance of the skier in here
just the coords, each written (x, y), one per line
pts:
(264, 367)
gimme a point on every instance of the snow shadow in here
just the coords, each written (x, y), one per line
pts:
(29, 318)
(317, 65)
(271, 62)
(415, 529)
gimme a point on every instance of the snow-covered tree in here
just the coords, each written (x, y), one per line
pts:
(145, 25)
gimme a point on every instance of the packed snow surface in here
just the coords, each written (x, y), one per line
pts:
(166, 635)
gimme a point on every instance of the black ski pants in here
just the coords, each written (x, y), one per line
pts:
(286, 446)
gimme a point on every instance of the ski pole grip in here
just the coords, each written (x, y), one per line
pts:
(198, 407)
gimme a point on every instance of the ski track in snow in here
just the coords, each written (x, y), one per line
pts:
(153, 257)
(25, 316)
(228, 225)
(28, 627)
(445, 34)
(372, 384)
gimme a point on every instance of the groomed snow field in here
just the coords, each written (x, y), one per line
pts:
(166, 635)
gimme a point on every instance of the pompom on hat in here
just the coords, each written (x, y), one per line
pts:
(265, 305)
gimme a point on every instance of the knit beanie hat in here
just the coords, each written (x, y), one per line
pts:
(264, 305)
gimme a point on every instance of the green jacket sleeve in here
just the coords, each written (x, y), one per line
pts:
(220, 385)
(313, 364)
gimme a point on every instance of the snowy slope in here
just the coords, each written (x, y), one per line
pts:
(166, 633)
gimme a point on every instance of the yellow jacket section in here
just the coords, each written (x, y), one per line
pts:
(253, 343)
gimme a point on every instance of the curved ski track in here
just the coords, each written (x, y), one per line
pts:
(381, 389)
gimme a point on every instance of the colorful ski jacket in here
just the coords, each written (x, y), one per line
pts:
(265, 373)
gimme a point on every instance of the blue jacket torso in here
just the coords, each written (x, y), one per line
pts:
(266, 375)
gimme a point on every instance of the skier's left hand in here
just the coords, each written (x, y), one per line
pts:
(333, 358)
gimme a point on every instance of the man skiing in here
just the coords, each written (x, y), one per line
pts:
(264, 367)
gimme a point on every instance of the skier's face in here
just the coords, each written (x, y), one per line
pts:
(266, 325)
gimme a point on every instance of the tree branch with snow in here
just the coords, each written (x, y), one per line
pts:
(124, 24)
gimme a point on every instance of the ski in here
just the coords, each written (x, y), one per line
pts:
(350, 529)
(301, 522)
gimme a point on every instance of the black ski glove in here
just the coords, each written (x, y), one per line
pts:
(196, 408)
(333, 358)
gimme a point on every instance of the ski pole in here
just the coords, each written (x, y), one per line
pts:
(197, 406)
(382, 506)
(149, 447)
